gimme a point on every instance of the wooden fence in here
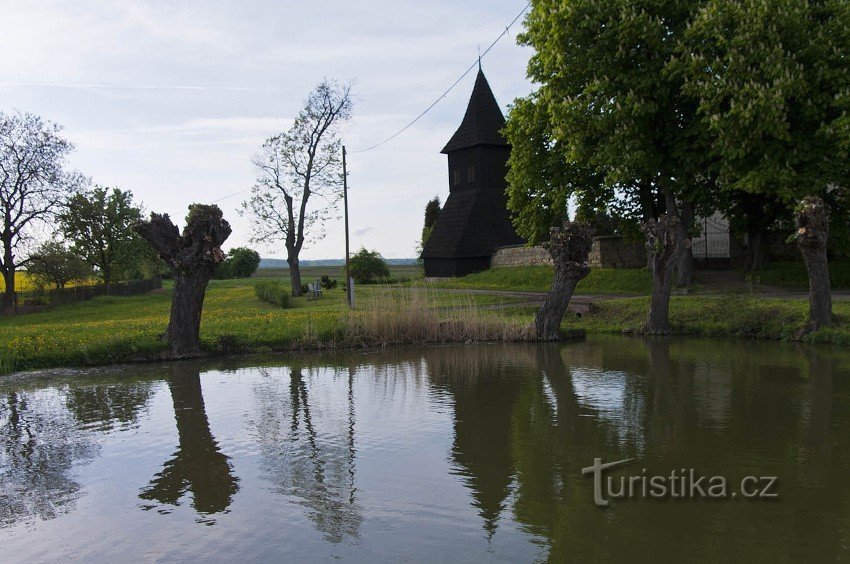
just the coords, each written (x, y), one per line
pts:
(31, 302)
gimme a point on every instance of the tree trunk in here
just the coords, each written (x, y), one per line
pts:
(187, 301)
(812, 221)
(294, 272)
(9, 296)
(569, 247)
(193, 256)
(685, 267)
(755, 259)
(666, 247)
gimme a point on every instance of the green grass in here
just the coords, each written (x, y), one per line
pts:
(792, 275)
(111, 329)
(736, 317)
(539, 279)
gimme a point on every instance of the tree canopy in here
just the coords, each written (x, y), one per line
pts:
(99, 224)
(54, 264)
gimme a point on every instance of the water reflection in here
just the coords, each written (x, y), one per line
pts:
(107, 407)
(480, 448)
(309, 455)
(39, 447)
(197, 466)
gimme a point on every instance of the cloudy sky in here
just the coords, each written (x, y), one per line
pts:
(171, 99)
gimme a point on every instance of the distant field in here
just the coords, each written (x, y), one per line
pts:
(25, 283)
(309, 273)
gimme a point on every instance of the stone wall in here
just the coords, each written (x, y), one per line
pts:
(519, 255)
(615, 252)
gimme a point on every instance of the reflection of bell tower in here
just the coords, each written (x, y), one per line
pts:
(197, 466)
(483, 405)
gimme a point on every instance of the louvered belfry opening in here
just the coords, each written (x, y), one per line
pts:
(474, 221)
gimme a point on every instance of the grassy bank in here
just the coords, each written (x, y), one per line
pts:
(736, 317)
(117, 329)
(539, 279)
(792, 275)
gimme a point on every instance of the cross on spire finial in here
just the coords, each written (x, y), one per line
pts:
(479, 56)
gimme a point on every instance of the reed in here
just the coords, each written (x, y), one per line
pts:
(7, 361)
(409, 316)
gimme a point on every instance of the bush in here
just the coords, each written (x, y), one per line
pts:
(368, 266)
(241, 262)
(329, 283)
(53, 264)
(273, 292)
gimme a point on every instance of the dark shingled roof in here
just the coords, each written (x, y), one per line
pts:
(482, 122)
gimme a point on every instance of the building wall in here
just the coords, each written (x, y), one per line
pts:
(606, 252)
(520, 255)
(615, 252)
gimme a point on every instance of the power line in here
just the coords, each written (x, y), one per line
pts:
(231, 195)
(450, 88)
(477, 63)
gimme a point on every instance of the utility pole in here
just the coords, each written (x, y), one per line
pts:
(345, 200)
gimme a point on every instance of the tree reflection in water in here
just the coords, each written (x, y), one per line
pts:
(198, 466)
(39, 446)
(310, 456)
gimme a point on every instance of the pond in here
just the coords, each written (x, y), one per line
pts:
(460, 453)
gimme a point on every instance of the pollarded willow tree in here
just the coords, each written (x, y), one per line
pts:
(541, 180)
(604, 72)
(772, 79)
(193, 255)
(33, 185)
(298, 168)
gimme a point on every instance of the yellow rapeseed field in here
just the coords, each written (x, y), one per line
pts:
(25, 283)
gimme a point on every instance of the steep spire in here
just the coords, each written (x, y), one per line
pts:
(482, 122)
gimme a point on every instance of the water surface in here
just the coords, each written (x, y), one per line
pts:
(462, 453)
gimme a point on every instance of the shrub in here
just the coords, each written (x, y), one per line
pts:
(273, 292)
(329, 283)
(53, 264)
(241, 262)
(367, 266)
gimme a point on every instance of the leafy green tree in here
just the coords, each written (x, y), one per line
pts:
(53, 264)
(33, 185)
(241, 262)
(368, 266)
(609, 103)
(772, 82)
(98, 223)
(432, 212)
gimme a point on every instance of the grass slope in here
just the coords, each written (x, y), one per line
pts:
(539, 279)
(111, 329)
(792, 275)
